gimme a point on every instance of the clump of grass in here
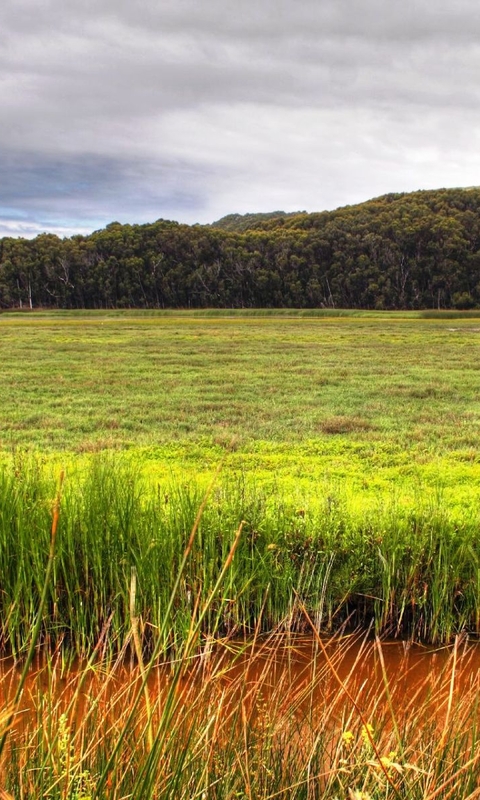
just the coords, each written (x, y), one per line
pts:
(345, 424)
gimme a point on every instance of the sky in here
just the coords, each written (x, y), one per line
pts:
(136, 110)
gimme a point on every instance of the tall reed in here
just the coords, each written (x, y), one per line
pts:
(409, 570)
(230, 719)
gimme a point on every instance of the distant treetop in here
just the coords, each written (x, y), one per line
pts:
(244, 222)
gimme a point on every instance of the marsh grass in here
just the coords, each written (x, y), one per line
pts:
(373, 405)
(348, 498)
(397, 383)
(407, 569)
(220, 718)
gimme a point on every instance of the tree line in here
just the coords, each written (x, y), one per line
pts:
(399, 251)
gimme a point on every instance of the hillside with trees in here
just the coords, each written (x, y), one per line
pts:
(245, 222)
(399, 251)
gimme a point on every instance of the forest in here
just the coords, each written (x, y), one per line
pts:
(401, 251)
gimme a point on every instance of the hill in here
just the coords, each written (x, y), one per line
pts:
(239, 223)
(399, 251)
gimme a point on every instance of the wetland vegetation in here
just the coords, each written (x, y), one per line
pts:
(231, 479)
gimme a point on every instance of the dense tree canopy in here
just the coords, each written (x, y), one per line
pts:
(400, 251)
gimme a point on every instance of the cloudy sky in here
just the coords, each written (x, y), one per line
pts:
(133, 110)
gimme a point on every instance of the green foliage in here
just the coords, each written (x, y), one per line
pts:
(412, 569)
(403, 251)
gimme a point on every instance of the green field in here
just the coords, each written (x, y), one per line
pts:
(348, 445)
(371, 402)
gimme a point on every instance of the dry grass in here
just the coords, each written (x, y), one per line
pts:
(265, 719)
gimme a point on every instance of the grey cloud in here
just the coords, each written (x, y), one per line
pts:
(112, 108)
(94, 190)
(188, 52)
(269, 18)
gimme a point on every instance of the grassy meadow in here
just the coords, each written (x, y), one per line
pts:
(348, 445)
(369, 401)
